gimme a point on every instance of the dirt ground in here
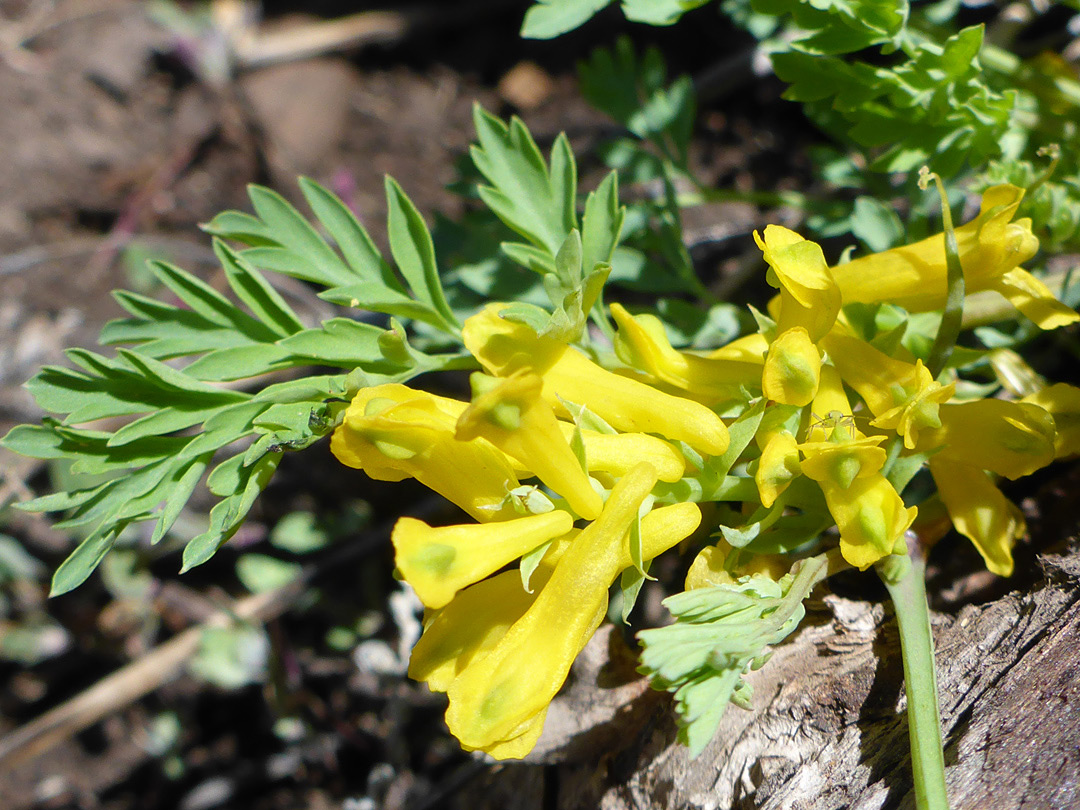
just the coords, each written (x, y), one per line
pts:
(119, 134)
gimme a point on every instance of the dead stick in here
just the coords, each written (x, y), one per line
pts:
(138, 678)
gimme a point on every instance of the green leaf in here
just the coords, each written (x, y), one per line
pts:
(658, 12)
(602, 222)
(352, 240)
(260, 573)
(530, 562)
(339, 341)
(414, 253)
(75, 570)
(242, 362)
(533, 200)
(876, 224)
(293, 232)
(299, 533)
(252, 288)
(209, 303)
(719, 634)
(226, 516)
(551, 18)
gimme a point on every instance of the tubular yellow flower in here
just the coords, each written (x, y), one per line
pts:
(1008, 438)
(643, 344)
(510, 414)
(748, 349)
(792, 368)
(630, 406)
(497, 698)
(871, 518)
(475, 619)
(709, 567)
(1034, 299)
(913, 276)
(617, 453)
(979, 512)
(991, 249)
(1062, 402)
(809, 297)
(902, 396)
(438, 562)
(841, 452)
(841, 460)
(392, 432)
(777, 467)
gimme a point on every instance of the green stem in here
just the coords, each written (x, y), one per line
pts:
(953, 314)
(904, 579)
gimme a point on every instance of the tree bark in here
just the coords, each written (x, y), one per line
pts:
(828, 729)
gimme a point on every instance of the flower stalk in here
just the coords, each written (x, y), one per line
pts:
(904, 579)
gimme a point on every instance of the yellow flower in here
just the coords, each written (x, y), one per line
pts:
(643, 344)
(902, 396)
(630, 406)
(438, 562)
(991, 248)
(777, 467)
(475, 619)
(979, 512)
(747, 349)
(392, 432)
(809, 297)
(617, 453)
(792, 368)
(1008, 438)
(711, 566)
(871, 518)
(841, 460)
(498, 701)
(510, 414)
(1062, 402)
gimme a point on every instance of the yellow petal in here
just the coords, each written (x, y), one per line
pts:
(438, 562)
(1009, 438)
(520, 675)
(393, 432)
(871, 518)
(618, 453)
(1062, 402)
(809, 298)
(470, 625)
(532, 436)
(777, 467)
(630, 406)
(642, 343)
(792, 368)
(979, 512)
(841, 462)
(1034, 299)
(913, 276)
(902, 396)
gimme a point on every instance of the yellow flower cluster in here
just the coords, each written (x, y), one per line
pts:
(603, 441)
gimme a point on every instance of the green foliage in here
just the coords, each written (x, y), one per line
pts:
(167, 384)
(179, 418)
(935, 107)
(550, 18)
(539, 203)
(721, 633)
(635, 92)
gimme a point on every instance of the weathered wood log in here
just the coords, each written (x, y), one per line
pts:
(828, 729)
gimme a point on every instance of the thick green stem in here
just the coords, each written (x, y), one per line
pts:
(904, 578)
